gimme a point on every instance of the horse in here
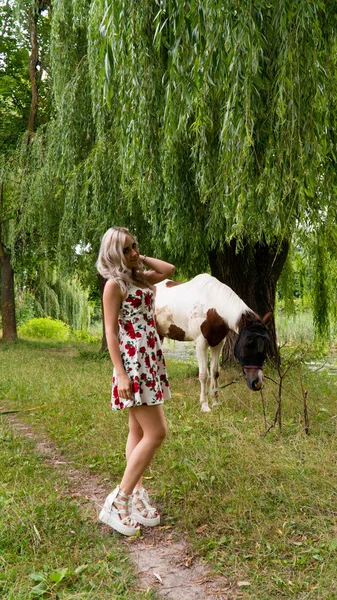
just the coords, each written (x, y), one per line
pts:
(204, 310)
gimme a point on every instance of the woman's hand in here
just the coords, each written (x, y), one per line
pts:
(124, 387)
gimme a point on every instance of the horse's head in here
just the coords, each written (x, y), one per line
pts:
(251, 349)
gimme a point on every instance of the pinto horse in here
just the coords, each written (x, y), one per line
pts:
(204, 310)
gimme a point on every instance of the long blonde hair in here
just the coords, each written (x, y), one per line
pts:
(111, 262)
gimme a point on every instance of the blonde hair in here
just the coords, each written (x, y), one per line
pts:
(111, 261)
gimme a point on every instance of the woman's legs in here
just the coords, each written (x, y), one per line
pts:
(147, 430)
(134, 437)
(151, 421)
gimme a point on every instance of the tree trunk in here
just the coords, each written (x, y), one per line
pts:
(9, 332)
(102, 282)
(33, 62)
(252, 273)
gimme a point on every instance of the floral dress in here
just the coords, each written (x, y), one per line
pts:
(141, 352)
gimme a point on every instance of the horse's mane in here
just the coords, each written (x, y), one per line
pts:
(227, 303)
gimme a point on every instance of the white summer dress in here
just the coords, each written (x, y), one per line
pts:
(141, 352)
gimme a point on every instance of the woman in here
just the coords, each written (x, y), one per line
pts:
(139, 380)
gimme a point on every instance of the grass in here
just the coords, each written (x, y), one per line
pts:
(259, 508)
(49, 547)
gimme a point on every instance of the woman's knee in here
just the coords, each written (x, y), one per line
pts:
(162, 432)
(157, 436)
(153, 424)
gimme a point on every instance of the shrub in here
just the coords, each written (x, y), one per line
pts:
(48, 328)
(85, 336)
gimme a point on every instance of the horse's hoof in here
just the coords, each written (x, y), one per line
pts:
(205, 408)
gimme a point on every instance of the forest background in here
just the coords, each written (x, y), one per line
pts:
(207, 128)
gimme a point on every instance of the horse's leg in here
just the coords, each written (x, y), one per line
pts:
(201, 348)
(214, 368)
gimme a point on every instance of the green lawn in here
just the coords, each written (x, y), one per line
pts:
(260, 508)
(48, 547)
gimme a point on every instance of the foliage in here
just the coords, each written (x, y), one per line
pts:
(219, 101)
(44, 294)
(85, 336)
(14, 82)
(268, 520)
(45, 328)
(210, 122)
(307, 287)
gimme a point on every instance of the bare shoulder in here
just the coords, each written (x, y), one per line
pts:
(112, 289)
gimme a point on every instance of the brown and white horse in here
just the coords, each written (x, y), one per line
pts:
(204, 310)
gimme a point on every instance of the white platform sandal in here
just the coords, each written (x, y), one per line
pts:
(119, 519)
(142, 511)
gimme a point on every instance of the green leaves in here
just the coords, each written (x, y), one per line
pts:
(50, 582)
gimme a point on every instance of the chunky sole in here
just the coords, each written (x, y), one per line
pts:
(145, 520)
(112, 519)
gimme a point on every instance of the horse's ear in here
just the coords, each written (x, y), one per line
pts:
(267, 318)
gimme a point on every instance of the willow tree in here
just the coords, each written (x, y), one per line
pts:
(14, 111)
(208, 127)
(226, 127)
(29, 226)
(21, 69)
(75, 186)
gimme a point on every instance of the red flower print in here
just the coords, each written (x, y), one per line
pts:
(115, 392)
(159, 353)
(147, 361)
(151, 322)
(164, 380)
(139, 292)
(135, 387)
(151, 384)
(135, 302)
(143, 376)
(130, 330)
(151, 341)
(148, 300)
(131, 350)
(159, 395)
(142, 349)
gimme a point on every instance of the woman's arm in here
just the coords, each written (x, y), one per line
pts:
(159, 269)
(112, 298)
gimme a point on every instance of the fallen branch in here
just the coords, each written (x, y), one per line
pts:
(221, 387)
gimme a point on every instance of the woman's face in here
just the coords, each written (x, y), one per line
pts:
(130, 251)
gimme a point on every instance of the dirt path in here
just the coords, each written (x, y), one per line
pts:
(162, 556)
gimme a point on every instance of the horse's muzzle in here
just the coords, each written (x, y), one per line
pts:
(254, 378)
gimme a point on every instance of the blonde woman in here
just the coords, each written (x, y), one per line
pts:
(139, 380)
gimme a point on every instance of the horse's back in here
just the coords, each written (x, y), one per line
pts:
(181, 308)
